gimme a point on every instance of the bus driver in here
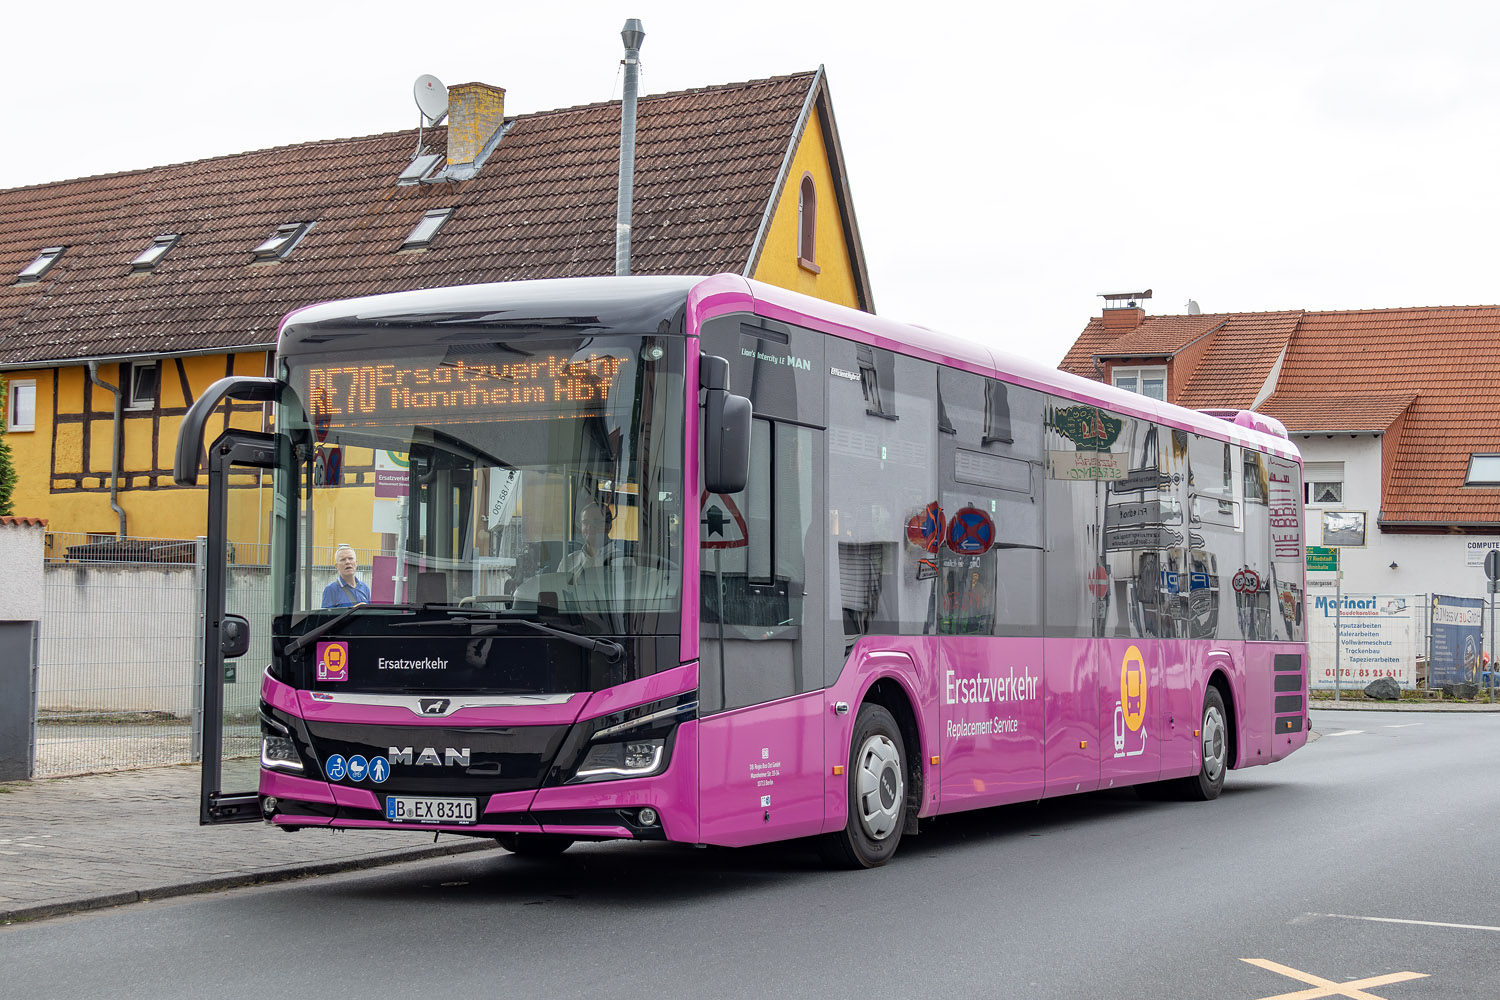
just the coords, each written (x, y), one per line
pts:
(346, 590)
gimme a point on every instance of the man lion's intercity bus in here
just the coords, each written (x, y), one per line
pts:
(703, 560)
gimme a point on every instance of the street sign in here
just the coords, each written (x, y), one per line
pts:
(1492, 564)
(1321, 558)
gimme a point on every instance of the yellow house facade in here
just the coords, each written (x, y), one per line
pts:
(114, 320)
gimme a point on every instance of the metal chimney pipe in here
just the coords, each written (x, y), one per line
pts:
(632, 34)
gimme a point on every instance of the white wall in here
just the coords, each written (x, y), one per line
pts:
(21, 572)
(1425, 564)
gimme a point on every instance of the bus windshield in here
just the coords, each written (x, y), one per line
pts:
(536, 477)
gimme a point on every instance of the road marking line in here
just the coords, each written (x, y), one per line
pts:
(1327, 987)
(1347, 732)
(1398, 920)
(1404, 725)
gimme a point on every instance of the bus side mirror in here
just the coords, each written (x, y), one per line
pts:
(726, 453)
(234, 636)
(726, 429)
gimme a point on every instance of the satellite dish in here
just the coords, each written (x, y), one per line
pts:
(1192, 308)
(432, 97)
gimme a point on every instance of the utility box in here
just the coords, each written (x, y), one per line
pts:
(21, 603)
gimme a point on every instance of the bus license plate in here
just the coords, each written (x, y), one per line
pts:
(418, 809)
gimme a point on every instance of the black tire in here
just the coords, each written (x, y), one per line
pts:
(877, 794)
(1213, 730)
(534, 845)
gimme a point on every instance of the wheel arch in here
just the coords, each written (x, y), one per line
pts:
(890, 694)
(1219, 679)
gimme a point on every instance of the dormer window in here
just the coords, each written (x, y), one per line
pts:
(153, 254)
(425, 230)
(41, 265)
(281, 241)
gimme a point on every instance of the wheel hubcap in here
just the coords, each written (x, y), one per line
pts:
(1215, 744)
(879, 787)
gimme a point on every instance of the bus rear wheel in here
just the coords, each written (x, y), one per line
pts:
(877, 794)
(534, 845)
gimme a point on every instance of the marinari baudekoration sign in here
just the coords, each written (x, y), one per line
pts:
(1379, 639)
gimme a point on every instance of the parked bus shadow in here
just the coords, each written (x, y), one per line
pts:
(646, 874)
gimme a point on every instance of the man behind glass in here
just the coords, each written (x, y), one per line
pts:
(346, 590)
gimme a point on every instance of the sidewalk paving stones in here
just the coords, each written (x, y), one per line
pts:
(69, 844)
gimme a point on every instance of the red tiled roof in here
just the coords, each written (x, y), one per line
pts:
(1160, 336)
(1426, 378)
(1369, 413)
(543, 205)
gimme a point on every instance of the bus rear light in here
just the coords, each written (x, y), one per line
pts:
(280, 753)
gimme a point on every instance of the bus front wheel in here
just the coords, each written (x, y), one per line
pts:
(534, 845)
(877, 794)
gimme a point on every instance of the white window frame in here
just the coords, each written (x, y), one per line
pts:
(128, 371)
(1140, 374)
(427, 228)
(1315, 474)
(148, 258)
(12, 410)
(42, 264)
(281, 242)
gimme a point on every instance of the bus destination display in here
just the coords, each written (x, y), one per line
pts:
(544, 386)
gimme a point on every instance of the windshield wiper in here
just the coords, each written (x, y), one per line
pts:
(612, 650)
(308, 637)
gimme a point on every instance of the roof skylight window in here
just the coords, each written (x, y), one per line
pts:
(281, 241)
(41, 265)
(422, 235)
(153, 254)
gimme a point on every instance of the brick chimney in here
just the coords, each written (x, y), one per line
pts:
(475, 112)
(1123, 311)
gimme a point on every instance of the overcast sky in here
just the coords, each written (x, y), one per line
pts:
(1008, 163)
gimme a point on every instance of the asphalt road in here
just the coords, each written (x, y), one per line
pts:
(1362, 863)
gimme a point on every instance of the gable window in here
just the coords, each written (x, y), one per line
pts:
(425, 230)
(140, 380)
(1324, 483)
(153, 254)
(807, 224)
(280, 243)
(41, 265)
(1150, 382)
(20, 405)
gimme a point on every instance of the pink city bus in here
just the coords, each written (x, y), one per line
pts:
(703, 560)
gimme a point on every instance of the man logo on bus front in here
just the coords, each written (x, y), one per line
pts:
(434, 706)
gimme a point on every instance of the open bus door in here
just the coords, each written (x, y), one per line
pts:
(240, 466)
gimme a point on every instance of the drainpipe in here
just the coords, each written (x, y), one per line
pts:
(632, 34)
(114, 451)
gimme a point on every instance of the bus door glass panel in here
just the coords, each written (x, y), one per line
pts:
(245, 575)
(882, 448)
(989, 561)
(1126, 589)
(1253, 598)
(761, 645)
(1284, 479)
(1076, 603)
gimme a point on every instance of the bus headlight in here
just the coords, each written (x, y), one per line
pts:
(279, 752)
(635, 759)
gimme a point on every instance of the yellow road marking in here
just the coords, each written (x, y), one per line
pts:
(1327, 987)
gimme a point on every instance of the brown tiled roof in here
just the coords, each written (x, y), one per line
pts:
(1160, 336)
(1235, 366)
(543, 205)
(1428, 379)
(1369, 413)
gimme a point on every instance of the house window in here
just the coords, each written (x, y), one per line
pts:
(280, 243)
(41, 265)
(1484, 470)
(140, 380)
(807, 224)
(1150, 382)
(20, 405)
(422, 235)
(153, 254)
(1324, 483)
